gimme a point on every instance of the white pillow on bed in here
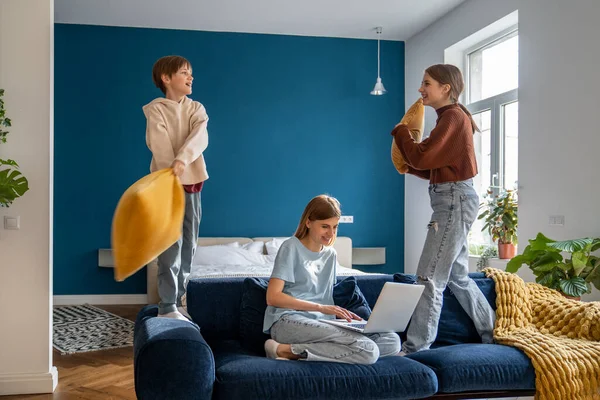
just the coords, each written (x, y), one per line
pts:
(274, 245)
(255, 247)
(229, 255)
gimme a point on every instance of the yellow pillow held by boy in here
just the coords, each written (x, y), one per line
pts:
(147, 221)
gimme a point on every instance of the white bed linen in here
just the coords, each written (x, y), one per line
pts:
(256, 271)
(264, 270)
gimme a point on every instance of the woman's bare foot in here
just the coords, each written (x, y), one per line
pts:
(285, 351)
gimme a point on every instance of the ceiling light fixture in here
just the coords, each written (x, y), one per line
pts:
(378, 89)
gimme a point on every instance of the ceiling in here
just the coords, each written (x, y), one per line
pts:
(400, 19)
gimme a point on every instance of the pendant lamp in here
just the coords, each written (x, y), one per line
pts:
(378, 90)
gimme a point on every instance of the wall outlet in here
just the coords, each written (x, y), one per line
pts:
(556, 220)
(12, 222)
(347, 219)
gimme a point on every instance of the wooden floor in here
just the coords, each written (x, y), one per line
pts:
(97, 375)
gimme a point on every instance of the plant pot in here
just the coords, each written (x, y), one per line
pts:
(578, 298)
(506, 250)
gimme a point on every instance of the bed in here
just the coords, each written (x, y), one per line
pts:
(220, 257)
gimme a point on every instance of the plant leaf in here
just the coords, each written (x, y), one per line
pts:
(12, 185)
(572, 245)
(545, 279)
(544, 267)
(575, 286)
(594, 277)
(515, 263)
(9, 162)
(540, 242)
(579, 260)
(546, 258)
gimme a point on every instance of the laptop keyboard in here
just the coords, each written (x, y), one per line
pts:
(359, 325)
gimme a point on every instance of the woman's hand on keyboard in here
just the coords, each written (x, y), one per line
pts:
(339, 312)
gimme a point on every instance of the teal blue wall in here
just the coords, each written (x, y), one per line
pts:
(290, 117)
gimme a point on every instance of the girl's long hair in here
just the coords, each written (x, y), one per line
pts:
(319, 208)
(448, 74)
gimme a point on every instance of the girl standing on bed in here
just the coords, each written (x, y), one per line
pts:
(300, 292)
(447, 159)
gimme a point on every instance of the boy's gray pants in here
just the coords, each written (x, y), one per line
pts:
(175, 264)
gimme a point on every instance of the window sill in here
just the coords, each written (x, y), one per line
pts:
(492, 262)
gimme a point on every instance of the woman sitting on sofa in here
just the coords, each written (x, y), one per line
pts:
(300, 293)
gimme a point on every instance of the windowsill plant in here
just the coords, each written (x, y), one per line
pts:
(500, 217)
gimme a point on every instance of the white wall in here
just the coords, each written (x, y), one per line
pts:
(26, 59)
(558, 103)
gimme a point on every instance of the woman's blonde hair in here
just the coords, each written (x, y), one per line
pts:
(319, 208)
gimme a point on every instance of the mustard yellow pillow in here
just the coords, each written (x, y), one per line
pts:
(148, 219)
(414, 119)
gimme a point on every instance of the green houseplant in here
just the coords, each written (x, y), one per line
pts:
(500, 217)
(12, 182)
(488, 252)
(573, 275)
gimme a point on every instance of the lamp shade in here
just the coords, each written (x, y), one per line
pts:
(378, 89)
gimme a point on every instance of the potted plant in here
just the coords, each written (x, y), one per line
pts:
(572, 276)
(500, 217)
(488, 252)
(12, 182)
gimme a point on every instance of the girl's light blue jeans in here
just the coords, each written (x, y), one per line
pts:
(319, 341)
(445, 262)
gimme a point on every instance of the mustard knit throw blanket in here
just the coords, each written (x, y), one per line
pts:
(560, 336)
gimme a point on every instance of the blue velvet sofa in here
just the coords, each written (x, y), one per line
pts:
(222, 357)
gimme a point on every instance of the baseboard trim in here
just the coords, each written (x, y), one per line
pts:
(100, 299)
(29, 383)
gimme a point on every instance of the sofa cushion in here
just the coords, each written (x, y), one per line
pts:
(214, 305)
(455, 326)
(471, 367)
(405, 278)
(243, 375)
(252, 314)
(371, 285)
(346, 293)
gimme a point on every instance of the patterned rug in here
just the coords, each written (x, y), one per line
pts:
(79, 329)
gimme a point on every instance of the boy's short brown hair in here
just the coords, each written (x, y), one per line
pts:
(167, 65)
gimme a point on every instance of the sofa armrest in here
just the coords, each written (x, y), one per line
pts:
(171, 359)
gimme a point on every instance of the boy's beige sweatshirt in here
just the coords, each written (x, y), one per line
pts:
(177, 131)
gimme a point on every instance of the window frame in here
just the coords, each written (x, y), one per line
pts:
(495, 105)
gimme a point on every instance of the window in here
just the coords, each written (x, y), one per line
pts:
(492, 97)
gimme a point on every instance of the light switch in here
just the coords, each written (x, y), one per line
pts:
(11, 222)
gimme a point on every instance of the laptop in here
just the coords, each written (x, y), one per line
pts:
(393, 309)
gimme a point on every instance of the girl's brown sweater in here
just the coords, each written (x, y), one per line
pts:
(447, 155)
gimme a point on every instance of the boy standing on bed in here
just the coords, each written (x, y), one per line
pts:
(176, 135)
